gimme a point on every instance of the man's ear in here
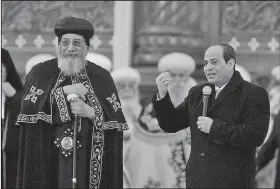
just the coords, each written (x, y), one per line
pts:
(231, 63)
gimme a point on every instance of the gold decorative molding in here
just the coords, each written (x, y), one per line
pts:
(41, 16)
(166, 26)
(250, 17)
(177, 17)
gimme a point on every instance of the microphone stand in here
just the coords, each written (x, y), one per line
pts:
(74, 176)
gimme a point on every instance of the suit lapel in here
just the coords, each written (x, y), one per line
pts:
(232, 85)
(223, 94)
(212, 96)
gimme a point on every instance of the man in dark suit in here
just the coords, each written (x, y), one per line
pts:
(223, 142)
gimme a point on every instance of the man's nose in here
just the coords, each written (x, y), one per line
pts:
(208, 67)
(70, 47)
(126, 87)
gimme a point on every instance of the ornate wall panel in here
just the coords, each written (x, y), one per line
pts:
(165, 26)
(250, 16)
(253, 28)
(162, 27)
(27, 26)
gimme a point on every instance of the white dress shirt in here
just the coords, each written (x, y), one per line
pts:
(219, 89)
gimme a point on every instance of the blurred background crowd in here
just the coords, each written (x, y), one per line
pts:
(135, 41)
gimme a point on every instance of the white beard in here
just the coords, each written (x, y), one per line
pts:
(131, 108)
(178, 92)
(71, 64)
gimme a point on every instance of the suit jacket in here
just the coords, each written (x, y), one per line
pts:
(225, 157)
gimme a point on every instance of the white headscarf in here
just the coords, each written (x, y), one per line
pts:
(126, 73)
(39, 58)
(243, 72)
(176, 61)
(100, 60)
(275, 72)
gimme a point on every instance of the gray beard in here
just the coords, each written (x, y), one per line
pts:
(71, 66)
(178, 93)
(131, 107)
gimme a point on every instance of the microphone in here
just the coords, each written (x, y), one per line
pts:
(206, 93)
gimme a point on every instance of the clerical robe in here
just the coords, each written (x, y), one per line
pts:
(46, 131)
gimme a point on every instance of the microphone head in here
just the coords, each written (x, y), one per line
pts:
(206, 90)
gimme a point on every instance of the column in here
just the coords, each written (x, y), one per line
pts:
(123, 33)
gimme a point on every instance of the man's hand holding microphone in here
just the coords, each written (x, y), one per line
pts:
(76, 95)
(204, 123)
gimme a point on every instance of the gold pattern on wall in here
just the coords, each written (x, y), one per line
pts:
(250, 16)
(41, 16)
(175, 23)
(176, 15)
(163, 27)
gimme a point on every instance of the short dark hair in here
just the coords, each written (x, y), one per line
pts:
(228, 52)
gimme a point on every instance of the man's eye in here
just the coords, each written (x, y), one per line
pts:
(76, 42)
(65, 42)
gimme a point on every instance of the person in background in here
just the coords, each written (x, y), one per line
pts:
(268, 162)
(127, 80)
(55, 92)
(243, 72)
(156, 159)
(11, 96)
(36, 59)
(275, 72)
(224, 141)
(100, 60)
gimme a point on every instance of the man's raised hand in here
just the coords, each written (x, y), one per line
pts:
(162, 82)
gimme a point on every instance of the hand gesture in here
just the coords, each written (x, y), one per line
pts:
(8, 89)
(162, 82)
(77, 88)
(80, 108)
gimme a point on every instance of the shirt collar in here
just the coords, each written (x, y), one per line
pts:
(220, 88)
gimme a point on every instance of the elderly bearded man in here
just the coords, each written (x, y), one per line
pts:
(46, 118)
(223, 143)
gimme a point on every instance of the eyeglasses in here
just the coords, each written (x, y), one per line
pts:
(75, 43)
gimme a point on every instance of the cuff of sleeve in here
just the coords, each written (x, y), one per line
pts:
(156, 96)
(163, 102)
(215, 130)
